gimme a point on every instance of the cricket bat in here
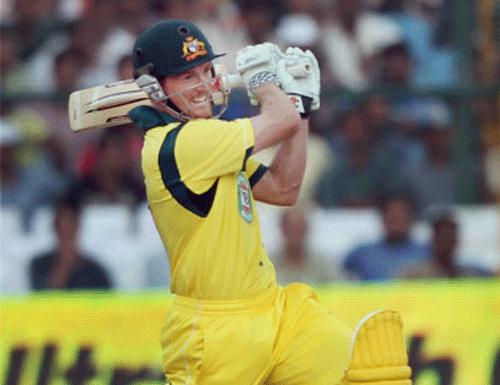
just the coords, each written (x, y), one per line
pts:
(108, 105)
(105, 105)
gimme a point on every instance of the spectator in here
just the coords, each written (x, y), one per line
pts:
(303, 30)
(173, 9)
(352, 39)
(299, 29)
(375, 110)
(395, 73)
(26, 184)
(132, 16)
(97, 35)
(397, 66)
(486, 116)
(487, 47)
(296, 262)
(68, 65)
(397, 138)
(12, 71)
(83, 36)
(362, 173)
(434, 65)
(260, 19)
(108, 174)
(34, 21)
(438, 178)
(62, 143)
(41, 148)
(381, 260)
(133, 135)
(66, 267)
(304, 7)
(223, 26)
(443, 259)
(492, 176)
(120, 22)
(125, 67)
(301, 26)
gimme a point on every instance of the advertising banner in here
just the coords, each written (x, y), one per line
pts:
(112, 338)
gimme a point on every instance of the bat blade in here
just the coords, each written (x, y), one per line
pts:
(104, 105)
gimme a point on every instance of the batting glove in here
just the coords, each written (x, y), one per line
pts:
(304, 91)
(257, 65)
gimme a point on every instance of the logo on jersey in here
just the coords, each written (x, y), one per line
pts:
(192, 48)
(244, 198)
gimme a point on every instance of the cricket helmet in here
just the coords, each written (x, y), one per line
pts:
(169, 48)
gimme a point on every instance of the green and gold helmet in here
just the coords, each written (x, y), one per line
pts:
(170, 47)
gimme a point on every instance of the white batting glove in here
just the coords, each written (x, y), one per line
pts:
(257, 65)
(314, 80)
(304, 91)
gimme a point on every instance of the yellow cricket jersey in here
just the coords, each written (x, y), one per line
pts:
(198, 177)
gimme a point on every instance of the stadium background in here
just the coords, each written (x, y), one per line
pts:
(112, 338)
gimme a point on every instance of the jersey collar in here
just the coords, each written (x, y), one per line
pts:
(147, 117)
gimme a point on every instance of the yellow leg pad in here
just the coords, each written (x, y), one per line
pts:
(378, 352)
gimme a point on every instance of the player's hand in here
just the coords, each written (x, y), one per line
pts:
(304, 91)
(257, 64)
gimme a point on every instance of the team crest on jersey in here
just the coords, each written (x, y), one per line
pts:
(192, 48)
(244, 198)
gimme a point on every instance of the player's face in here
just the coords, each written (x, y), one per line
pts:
(190, 91)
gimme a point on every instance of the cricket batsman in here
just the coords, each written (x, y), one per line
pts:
(230, 323)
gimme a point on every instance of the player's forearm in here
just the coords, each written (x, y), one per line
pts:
(289, 163)
(275, 103)
(278, 120)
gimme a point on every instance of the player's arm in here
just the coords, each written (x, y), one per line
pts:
(280, 184)
(278, 119)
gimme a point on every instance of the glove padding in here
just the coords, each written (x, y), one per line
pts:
(257, 60)
(303, 91)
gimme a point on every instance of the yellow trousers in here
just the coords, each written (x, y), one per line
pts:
(283, 336)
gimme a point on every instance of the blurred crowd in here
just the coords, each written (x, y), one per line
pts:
(410, 104)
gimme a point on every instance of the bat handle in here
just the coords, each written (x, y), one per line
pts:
(235, 81)
(298, 71)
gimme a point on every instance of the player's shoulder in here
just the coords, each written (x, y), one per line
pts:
(216, 123)
(205, 131)
(147, 117)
